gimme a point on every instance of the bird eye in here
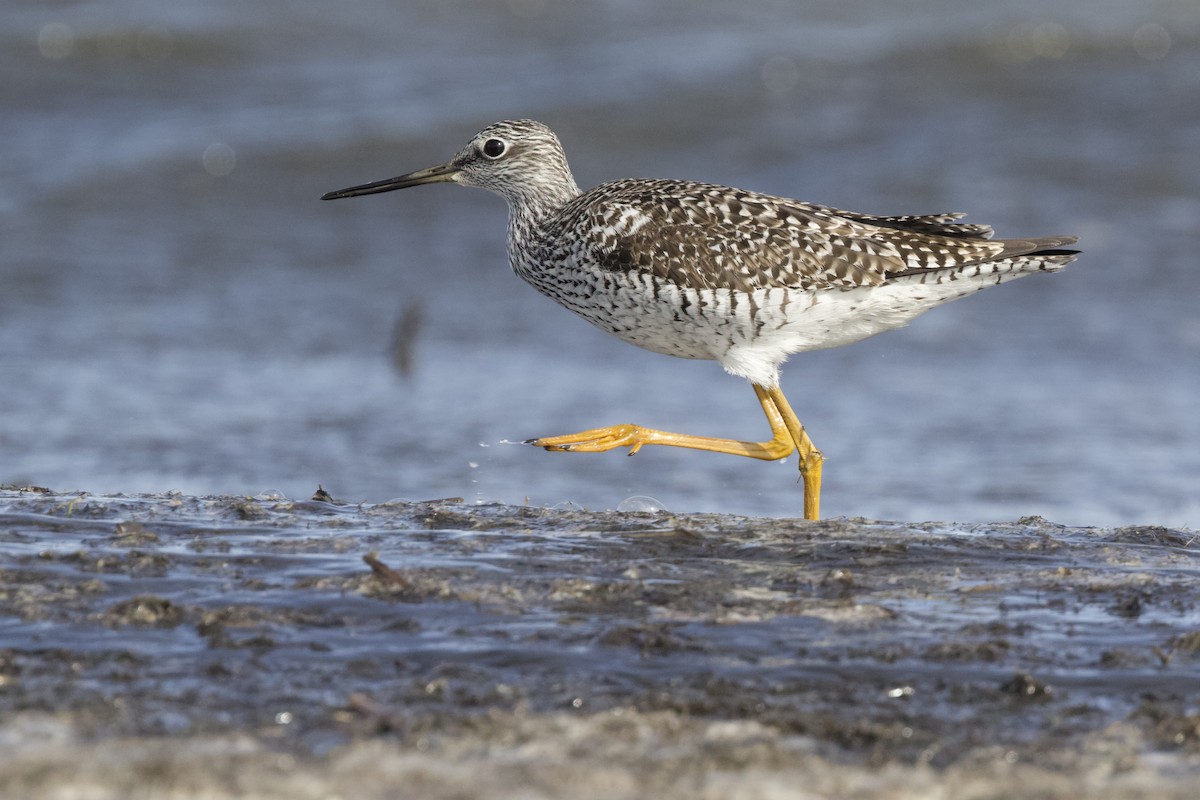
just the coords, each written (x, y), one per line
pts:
(494, 148)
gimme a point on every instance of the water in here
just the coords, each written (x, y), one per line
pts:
(179, 312)
(166, 626)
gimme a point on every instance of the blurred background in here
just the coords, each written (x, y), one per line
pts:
(179, 311)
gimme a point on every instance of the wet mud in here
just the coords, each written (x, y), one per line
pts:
(158, 645)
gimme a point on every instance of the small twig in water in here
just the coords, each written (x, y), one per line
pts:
(385, 573)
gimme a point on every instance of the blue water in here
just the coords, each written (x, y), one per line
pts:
(179, 311)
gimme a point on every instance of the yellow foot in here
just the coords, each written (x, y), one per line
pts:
(597, 440)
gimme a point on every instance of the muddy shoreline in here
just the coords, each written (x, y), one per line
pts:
(267, 647)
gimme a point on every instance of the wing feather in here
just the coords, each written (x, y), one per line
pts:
(706, 237)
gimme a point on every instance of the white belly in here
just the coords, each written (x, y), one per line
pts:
(751, 335)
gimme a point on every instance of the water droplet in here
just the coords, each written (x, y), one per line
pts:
(1151, 41)
(641, 502)
(1051, 40)
(56, 40)
(218, 159)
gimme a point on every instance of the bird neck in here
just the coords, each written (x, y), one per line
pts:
(530, 212)
(529, 220)
(532, 204)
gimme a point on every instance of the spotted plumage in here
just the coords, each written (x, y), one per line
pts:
(702, 271)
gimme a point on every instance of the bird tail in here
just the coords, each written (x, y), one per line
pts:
(1050, 255)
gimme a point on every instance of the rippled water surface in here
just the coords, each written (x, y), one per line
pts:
(166, 645)
(179, 311)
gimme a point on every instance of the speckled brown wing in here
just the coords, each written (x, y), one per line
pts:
(703, 236)
(720, 256)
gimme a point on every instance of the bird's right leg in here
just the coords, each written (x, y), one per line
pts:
(811, 458)
(635, 437)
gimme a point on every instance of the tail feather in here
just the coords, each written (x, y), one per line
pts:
(1019, 255)
(987, 273)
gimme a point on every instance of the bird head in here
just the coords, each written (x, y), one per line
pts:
(521, 160)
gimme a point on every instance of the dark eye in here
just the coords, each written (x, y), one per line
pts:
(494, 148)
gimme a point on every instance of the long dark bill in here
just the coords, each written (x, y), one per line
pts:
(439, 174)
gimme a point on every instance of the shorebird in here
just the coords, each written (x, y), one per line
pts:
(702, 271)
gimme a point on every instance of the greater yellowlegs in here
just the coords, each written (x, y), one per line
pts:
(696, 270)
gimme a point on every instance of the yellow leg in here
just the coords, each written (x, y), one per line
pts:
(810, 457)
(787, 435)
